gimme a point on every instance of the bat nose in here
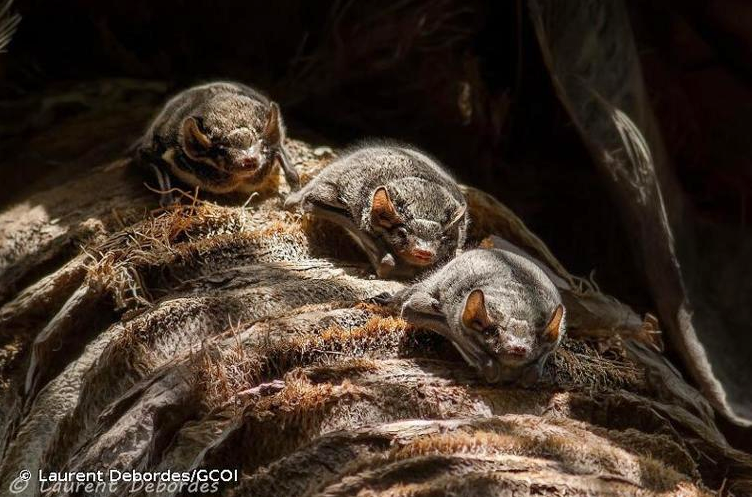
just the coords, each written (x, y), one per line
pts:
(423, 254)
(517, 350)
(248, 163)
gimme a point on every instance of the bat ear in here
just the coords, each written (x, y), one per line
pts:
(383, 211)
(553, 328)
(459, 214)
(272, 132)
(474, 315)
(195, 142)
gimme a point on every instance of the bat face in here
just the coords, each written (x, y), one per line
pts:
(513, 332)
(421, 232)
(229, 143)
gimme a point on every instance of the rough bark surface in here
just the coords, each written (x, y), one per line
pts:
(221, 335)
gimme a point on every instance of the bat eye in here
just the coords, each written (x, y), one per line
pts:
(401, 231)
(490, 332)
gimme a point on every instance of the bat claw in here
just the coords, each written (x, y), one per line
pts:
(167, 199)
(383, 299)
(386, 266)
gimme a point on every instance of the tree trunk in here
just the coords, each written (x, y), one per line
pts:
(223, 335)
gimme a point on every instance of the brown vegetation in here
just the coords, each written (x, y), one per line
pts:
(237, 336)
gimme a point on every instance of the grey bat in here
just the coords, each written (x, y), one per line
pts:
(396, 202)
(499, 309)
(222, 137)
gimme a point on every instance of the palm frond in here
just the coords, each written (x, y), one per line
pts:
(9, 21)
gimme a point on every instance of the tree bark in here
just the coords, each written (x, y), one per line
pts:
(220, 334)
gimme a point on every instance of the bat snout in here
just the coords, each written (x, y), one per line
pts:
(420, 253)
(511, 349)
(245, 162)
(248, 162)
(517, 351)
(246, 165)
(423, 254)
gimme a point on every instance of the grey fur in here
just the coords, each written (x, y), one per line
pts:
(432, 209)
(519, 297)
(233, 117)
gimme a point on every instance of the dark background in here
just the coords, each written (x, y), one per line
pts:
(462, 79)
